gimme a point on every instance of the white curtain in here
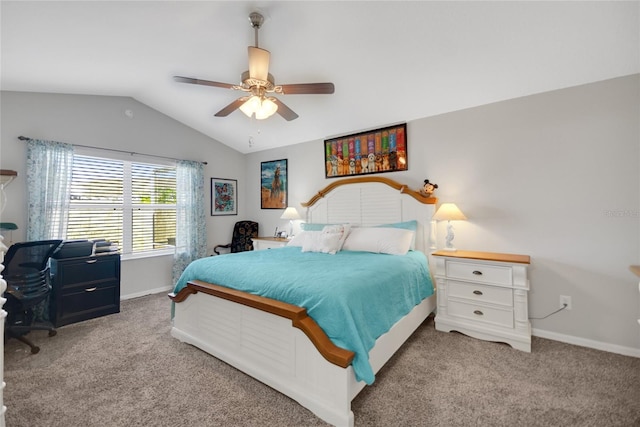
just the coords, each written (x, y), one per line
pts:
(49, 169)
(191, 237)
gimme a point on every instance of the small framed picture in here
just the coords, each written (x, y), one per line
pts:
(273, 184)
(224, 196)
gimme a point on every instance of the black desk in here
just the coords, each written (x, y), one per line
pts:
(84, 288)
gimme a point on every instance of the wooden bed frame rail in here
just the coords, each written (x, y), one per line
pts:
(298, 316)
(365, 179)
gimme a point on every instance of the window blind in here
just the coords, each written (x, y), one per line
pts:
(131, 204)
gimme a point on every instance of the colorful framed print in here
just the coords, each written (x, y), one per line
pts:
(375, 151)
(273, 184)
(224, 196)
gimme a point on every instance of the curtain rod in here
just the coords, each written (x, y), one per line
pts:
(26, 138)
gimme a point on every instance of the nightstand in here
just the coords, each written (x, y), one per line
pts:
(484, 295)
(261, 243)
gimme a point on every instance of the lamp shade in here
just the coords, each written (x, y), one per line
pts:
(448, 212)
(262, 107)
(290, 213)
(251, 106)
(267, 109)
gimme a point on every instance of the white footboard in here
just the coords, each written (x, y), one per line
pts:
(267, 347)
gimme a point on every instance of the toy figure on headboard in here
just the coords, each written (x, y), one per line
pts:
(428, 188)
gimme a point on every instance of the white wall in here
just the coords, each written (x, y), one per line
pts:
(555, 176)
(100, 121)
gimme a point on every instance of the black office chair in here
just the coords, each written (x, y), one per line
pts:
(28, 288)
(241, 241)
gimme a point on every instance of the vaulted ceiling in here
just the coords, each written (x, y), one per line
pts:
(390, 61)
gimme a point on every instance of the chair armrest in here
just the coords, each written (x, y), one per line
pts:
(215, 249)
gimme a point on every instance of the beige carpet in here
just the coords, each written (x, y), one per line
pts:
(126, 370)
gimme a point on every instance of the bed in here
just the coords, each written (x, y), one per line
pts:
(264, 330)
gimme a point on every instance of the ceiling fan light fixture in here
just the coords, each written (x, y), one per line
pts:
(250, 106)
(268, 109)
(262, 107)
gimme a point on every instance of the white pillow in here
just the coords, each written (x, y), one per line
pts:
(319, 242)
(407, 225)
(394, 241)
(328, 241)
(341, 229)
(299, 239)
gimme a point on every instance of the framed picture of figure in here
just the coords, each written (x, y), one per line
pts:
(273, 184)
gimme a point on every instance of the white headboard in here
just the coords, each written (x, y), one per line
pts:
(369, 201)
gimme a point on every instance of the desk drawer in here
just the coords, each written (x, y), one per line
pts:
(480, 313)
(480, 273)
(87, 287)
(71, 272)
(481, 293)
(89, 303)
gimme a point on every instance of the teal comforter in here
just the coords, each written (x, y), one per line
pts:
(355, 297)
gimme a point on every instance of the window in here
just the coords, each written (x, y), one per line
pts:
(131, 204)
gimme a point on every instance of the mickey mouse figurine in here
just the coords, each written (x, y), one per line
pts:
(428, 188)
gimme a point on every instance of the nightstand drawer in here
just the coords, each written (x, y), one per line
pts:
(480, 273)
(481, 293)
(480, 313)
(262, 243)
(267, 245)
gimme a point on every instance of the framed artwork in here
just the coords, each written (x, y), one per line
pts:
(224, 196)
(273, 184)
(375, 151)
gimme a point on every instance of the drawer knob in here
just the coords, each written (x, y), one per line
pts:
(478, 312)
(90, 289)
(477, 273)
(477, 292)
(91, 261)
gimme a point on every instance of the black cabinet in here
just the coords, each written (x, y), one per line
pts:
(84, 288)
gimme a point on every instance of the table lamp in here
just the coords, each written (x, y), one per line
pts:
(290, 213)
(449, 212)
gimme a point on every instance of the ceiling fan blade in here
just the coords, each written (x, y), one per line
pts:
(181, 79)
(231, 107)
(287, 113)
(308, 88)
(258, 63)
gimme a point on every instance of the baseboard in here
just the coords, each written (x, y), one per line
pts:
(166, 289)
(583, 342)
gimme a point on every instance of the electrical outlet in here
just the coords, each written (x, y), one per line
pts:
(564, 299)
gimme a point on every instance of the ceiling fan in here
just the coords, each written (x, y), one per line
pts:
(257, 82)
